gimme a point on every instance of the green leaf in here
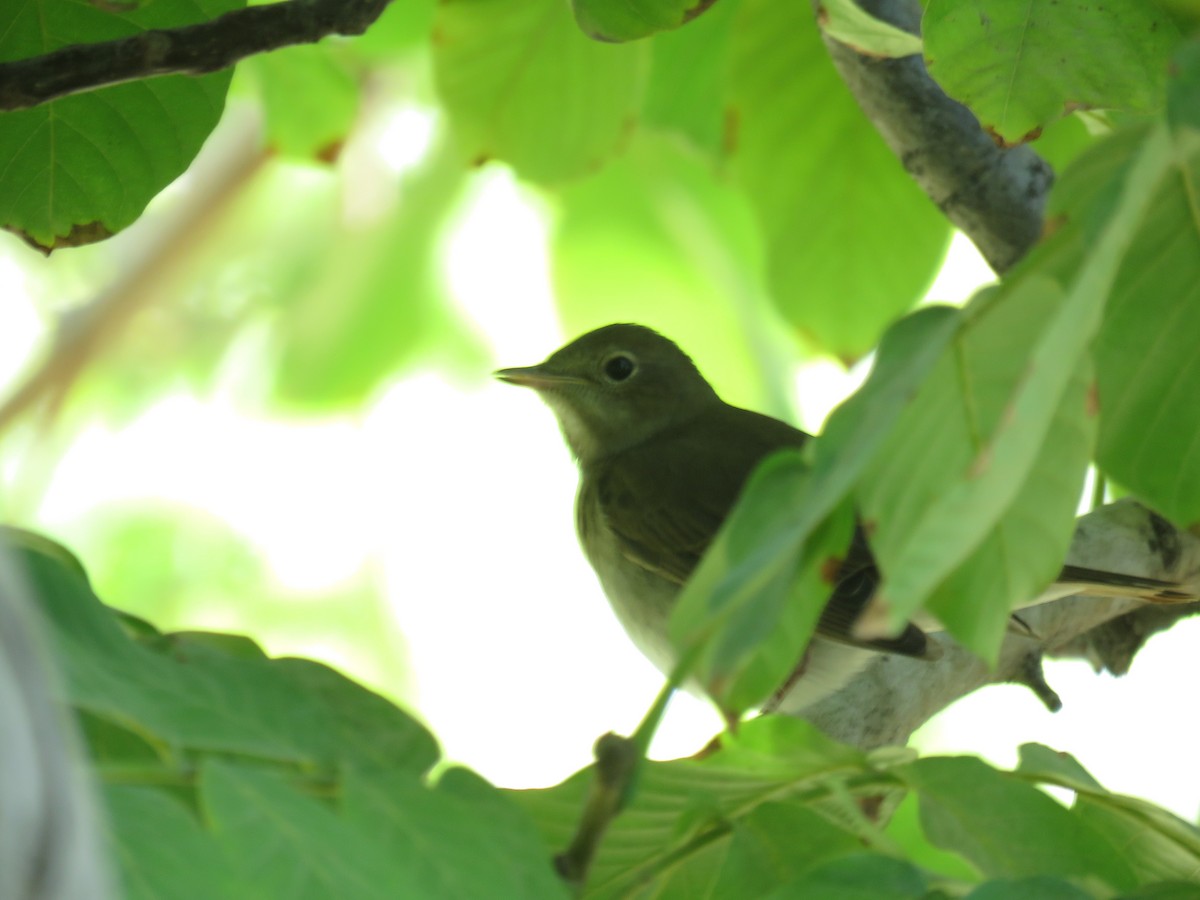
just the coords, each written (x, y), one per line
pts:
(849, 23)
(1157, 844)
(282, 843)
(1036, 888)
(462, 838)
(164, 852)
(402, 27)
(690, 262)
(1009, 409)
(1183, 87)
(1007, 827)
(378, 300)
(852, 242)
(1040, 762)
(859, 877)
(522, 85)
(309, 98)
(628, 20)
(1147, 369)
(81, 168)
(689, 67)
(687, 811)
(177, 692)
(763, 853)
(787, 523)
(1019, 66)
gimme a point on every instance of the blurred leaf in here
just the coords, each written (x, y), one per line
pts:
(852, 242)
(849, 23)
(1007, 827)
(628, 20)
(402, 27)
(1037, 888)
(310, 99)
(1009, 408)
(689, 67)
(377, 301)
(79, 169)
(689, 262)
(1183, 87)
(1177, 890)
(156, 839)
(859, 877)
(1020, 66)
(521, 84)
(1063, 140)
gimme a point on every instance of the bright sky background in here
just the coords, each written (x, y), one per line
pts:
(462, 494)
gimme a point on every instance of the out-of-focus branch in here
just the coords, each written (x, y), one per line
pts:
(84, 333)
(995, 195)
(894, 696)
(192, 49)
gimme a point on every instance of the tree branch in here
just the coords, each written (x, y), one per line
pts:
(993, 194)
(191, 49)
(895, 695)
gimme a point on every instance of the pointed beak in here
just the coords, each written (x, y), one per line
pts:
(535, 377)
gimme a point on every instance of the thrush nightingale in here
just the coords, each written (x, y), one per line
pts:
(662, 460)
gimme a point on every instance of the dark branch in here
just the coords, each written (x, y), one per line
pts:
(995, 195)
(191, 49)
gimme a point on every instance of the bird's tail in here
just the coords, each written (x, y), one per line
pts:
(1081, 580)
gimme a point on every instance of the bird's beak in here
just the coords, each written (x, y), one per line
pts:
(536, 377)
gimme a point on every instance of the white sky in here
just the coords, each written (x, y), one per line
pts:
(463, 496)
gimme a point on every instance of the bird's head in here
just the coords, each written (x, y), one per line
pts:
(616, 387)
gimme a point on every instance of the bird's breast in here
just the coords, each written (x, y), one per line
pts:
(641, 599)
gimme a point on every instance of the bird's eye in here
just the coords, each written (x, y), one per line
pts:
(619, 367)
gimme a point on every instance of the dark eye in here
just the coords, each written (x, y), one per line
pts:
(619, 367)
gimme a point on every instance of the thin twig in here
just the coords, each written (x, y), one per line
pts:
(86, 332)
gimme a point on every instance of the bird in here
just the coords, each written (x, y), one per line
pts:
(662, 461)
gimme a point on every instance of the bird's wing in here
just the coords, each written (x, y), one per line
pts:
(661, 522)
(664, 507)
(665, 501)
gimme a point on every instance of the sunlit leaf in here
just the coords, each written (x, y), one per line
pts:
(690, 262)
(522, 85)
(79, 169)
(310, 100)
(852, 241)
(627, 20)
(689, 66)
(1020, 66)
